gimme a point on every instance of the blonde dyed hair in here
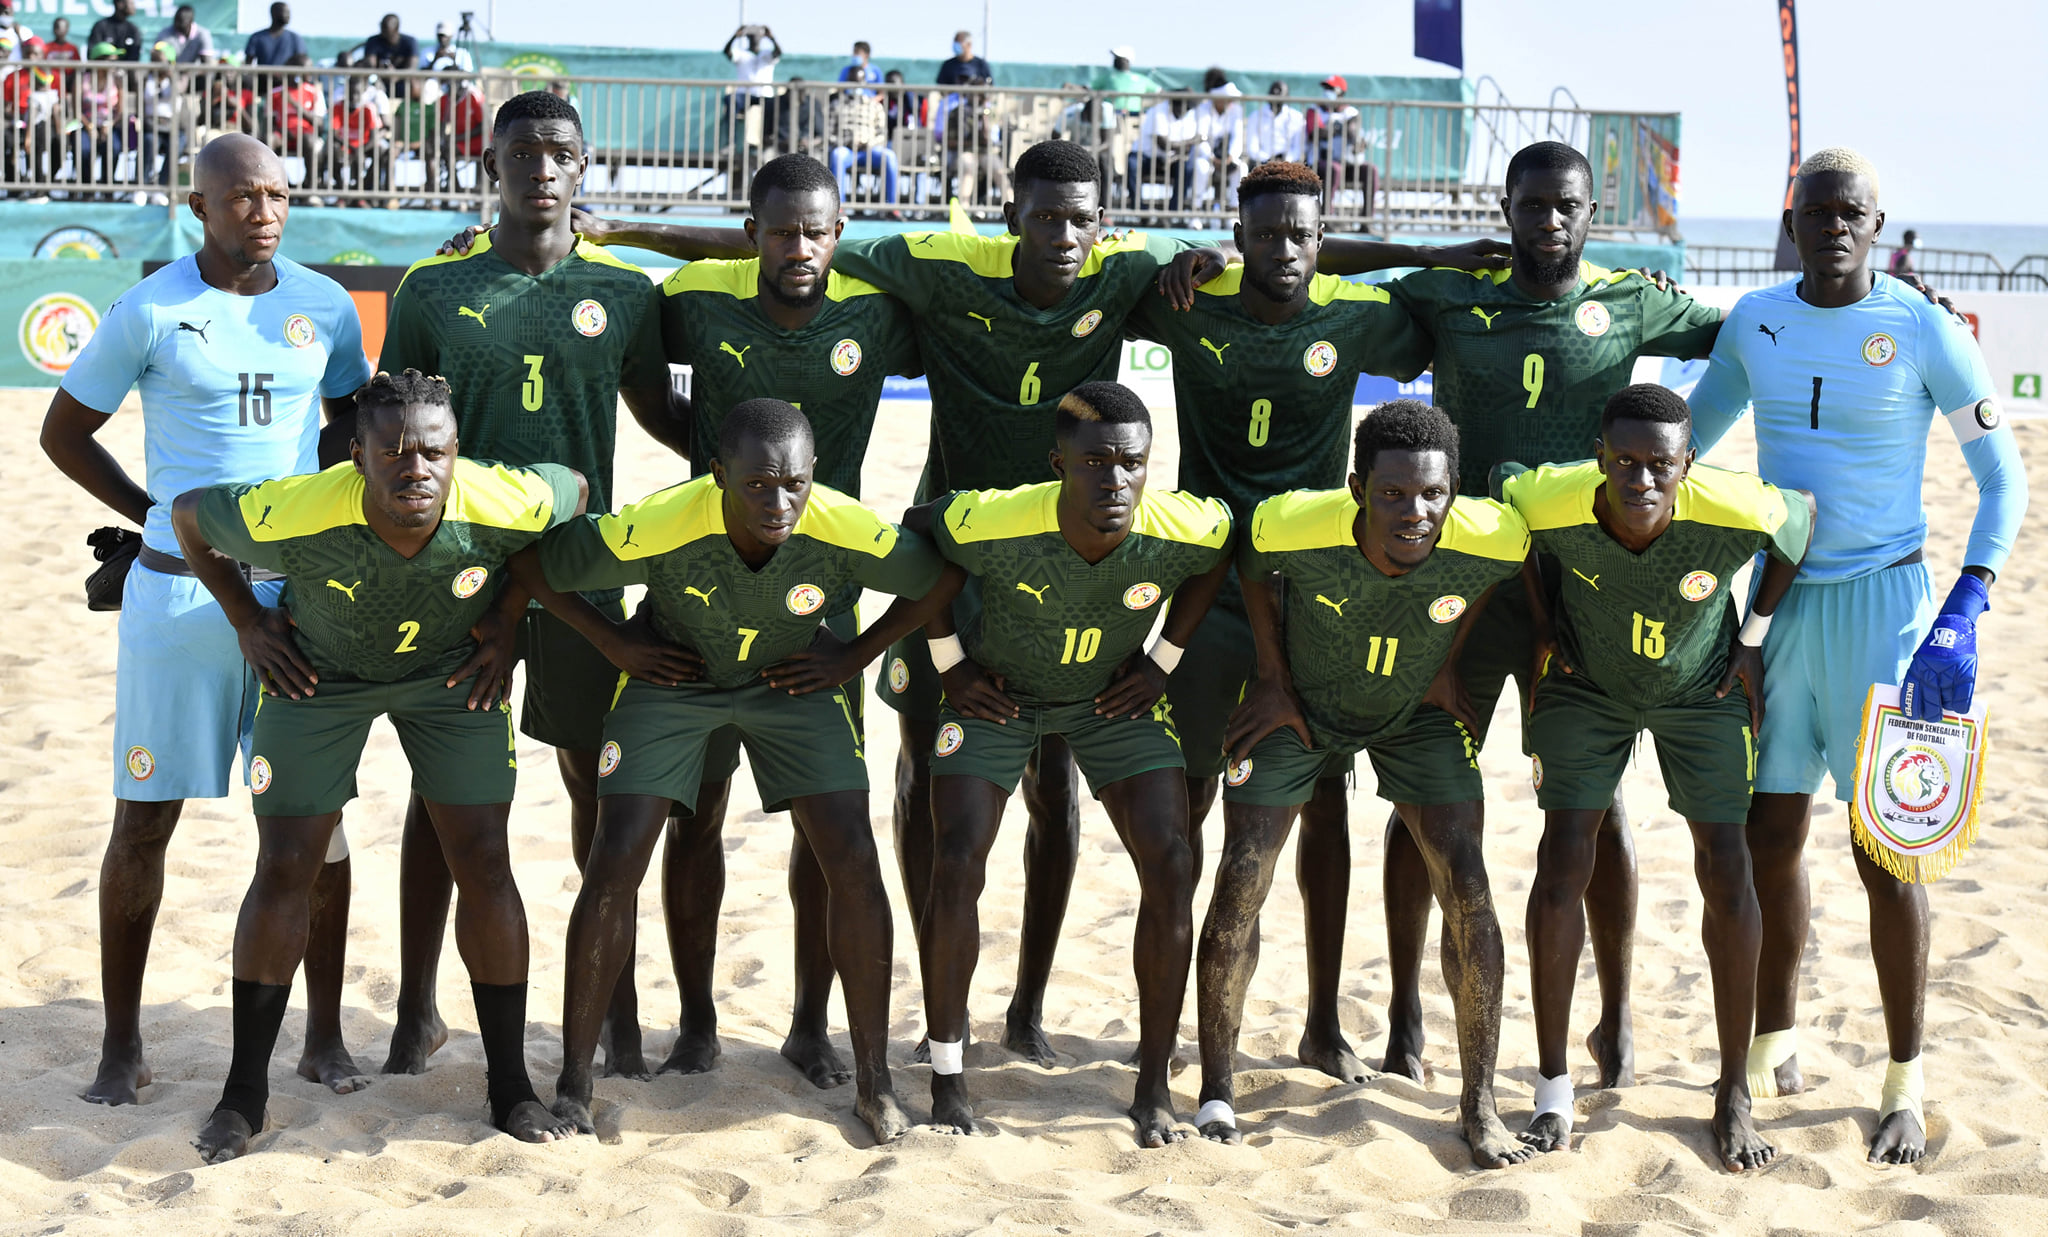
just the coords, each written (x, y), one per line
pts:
(1842, 159)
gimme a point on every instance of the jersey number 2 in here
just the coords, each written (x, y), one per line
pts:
(531, 390)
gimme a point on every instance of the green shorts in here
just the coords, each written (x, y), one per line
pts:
(305, 752)
(1500, 647)
(908, 683)
(658, 741)
(1207, 686)
(1583, 737)
(722, 753)
(1432, 760)
(1108, 749)
(569, 684)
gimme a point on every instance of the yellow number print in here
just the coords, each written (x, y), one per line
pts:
(1082, 645)
(1262, 422)
(408, 631)
(530, 391)
(1373, 665)
(747, 635)
(1028, 390)
(1532, 377)
(1648, 637)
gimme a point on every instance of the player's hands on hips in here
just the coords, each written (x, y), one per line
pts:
(1268, 705)
(1746, 665)
(273, 653)
(1943, 674)
(1479, 255)
(636, 648)
(461, 241)
(974, 692)
(1546, 655)
(1446, 691)
(829, 662)
(1190, 269)
(497, 651)
(1138, 685)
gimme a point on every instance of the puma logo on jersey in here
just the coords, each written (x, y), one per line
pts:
(464, 311)
(1338, 606)
(629, 536)
(1485, 317)
(1593, 580)
(692, 591)
(349, 589)
(738, 354)
(987, 322)
(923, 242)
(1215, 349)
(199, 330)
(964, 517)
(1762, 329)
(265, 521)
(1038, 592)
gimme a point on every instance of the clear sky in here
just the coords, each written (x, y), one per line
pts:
(1942, 96)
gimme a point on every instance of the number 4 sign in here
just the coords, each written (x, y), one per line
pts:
(2026, 386)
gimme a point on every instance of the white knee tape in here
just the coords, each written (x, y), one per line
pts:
(1766, 1053)
(1215, 1111)
(948, 1058)
(1554, 1095)
(337, 845)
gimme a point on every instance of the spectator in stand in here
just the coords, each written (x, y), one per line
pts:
(906, 108)
(230, 106)
(1275, 131)
(861, 69)
(1120, 76)
(965, 68)
(118, 32)
(973, 144)
(860, 143)
(754, 64)
(191, 43)
(96, 143)
(297, 110)
(357, 130)
(60, 46)
(1164, 153)
(276, 44)
(390, 45)
(446, 54)
(1327, 131)
(17, 96)
(801, 126)
(159, 120)
(1219, 122)
(1901, 266)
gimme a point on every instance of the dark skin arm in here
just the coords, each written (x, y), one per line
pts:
(339, 430)
(68, 439)
(264, 632)
(497, 635)
(632, 646)
(970, 690)
(1447, 689)
(688, 244)
(1340, 255)
(1140, 682)
(1746, 661)
(664, 414)
(1543, 641)
(1269, 700)
(830, 661)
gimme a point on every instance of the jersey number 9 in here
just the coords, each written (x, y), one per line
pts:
(1532, 377)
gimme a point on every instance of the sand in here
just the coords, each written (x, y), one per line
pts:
(752, 1147)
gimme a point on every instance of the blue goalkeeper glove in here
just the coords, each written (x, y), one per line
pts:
(1943, 675)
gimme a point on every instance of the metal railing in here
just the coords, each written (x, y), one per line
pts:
(414, 139)
(1951, 270)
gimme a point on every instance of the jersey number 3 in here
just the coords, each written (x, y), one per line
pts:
(532, 390)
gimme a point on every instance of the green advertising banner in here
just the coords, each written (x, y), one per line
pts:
(220, 17)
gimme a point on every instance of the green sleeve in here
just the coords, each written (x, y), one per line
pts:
(576, 558)
(1394, 344)
(909, 569)
(1163, 249)
(561, 483)
(646, 361)
(1790, 541)
(967, 554)
(885, 262)
(1145, 321)
(904, 357)
(222, 524)
(409, 339)
(1497, 480)
(675, 328)
(1252, 562)
(1417, 293)
(1676, 325)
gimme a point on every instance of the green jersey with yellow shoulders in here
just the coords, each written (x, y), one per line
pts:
(1525, 379)
(701, 594)
(535, 361)
(1653, 629)
(361, 610)
(998, 366)
(1054, 625)
(1362, 646)
(832, 367)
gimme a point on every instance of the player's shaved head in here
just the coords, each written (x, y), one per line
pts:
(232, 160)
(1099, 403)
(794, 175)
(1404, 425)
(242, 198)
(764, 422)
(1646, 402)
(1840, 159)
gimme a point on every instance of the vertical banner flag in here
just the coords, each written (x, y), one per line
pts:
(1788, 34)
(1918, 785)
(1440, 31)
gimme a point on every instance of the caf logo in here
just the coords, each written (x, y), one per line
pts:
(1593, 319)
(1239, 773)
(1916, 778)
(1879, 349)
(608, 758)
(298, 330)
(1320, 358)
(805, 598)
(846, 357)
(140, 763)
(468, 581)
(950, 739)
(1140, 596)
(589, 318)
(259, 776)
(1446, 609)
(1085, 325)
(1536, 772)
(1697, 586)
(899, 676)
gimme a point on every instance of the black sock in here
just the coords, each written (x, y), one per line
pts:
(259, 1012)
(501, 1019)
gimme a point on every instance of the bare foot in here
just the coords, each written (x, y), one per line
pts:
(1223, 1132)
(922, 1054)
(529, 1122)
(122, 1073)
(224, 1137)
(1157, 1126)
(332, 1067)
(814, 1058)
(1899, 1140)
(1023, 1035)
(695, 1053)
(1790, 1080)
(884, 1115)
(622, 1053)
(952, 1111)
(1492, 1145)
(1547, 1133)
(1329, 1052)
(412, 1042)
(574, 1110)
(1615, 1056)
(1736, 1138)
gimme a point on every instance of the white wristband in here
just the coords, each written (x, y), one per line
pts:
(1753, 629)
(1166, 653)
(946, 652)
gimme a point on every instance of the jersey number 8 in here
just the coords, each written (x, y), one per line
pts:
(1262, 422)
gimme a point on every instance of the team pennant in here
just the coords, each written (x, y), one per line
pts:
(1918, 785)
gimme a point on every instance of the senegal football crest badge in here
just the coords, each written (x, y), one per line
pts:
(54, 330)
(805, 599)
(899, 676)
(1320, 358)
(1879, 349)
(1446, 608)
(298, 330)
(1593, 319)
(588, 318)
(468, 581)
(259, 775)
(1140, 596)
(608, 758)
(1536, 772)
(1697, 586)
(846, 357)
(140, 763)
(1239, 773)
(1085, 325)
(950, 739)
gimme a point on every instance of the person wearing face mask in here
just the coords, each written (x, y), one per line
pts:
(965, 67)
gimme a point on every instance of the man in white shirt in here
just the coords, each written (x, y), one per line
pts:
(191, 43)
(753, 63)
(446, 54)
(1166, 138)
(1275, 131)
(1219, 123)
